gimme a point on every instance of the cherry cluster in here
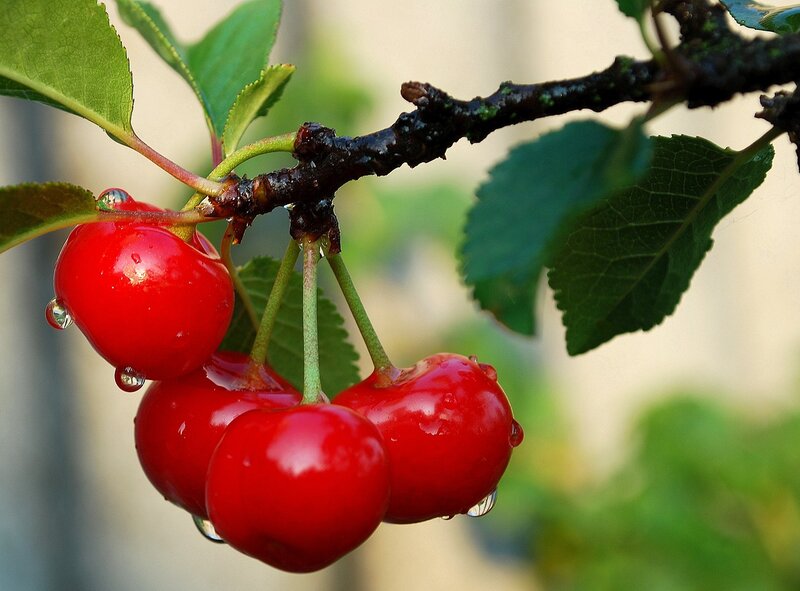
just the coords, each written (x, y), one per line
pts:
(223, 436)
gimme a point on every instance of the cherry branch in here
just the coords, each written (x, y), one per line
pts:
(710, 64)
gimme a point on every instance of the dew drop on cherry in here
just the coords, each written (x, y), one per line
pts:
(57, 315)
(447, 517)
(111, 198)
(517, 434)
(128, 379)
(205, 527)
(483, 506)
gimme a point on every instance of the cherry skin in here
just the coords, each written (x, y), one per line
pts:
(449, 431)
(181, 420)
(148, 302)
(298, 488)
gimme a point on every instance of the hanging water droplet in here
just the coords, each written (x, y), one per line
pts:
(517, 434)
(483, 506)
(57, 315)
(128, 379)
(110, 198)
(447, 517)
(205, 527)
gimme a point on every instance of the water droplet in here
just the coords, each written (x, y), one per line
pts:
(205, 527)
(110, 198)
(473, 358)
(489, 371)
(517, 434)
(447, 517)
(128, 379)
(57, 315)
(136, 258)
(484, 505)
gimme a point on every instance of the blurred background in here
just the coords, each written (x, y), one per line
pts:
(661, 461)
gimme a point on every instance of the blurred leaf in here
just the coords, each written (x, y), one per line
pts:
(32, 209)
(763, 17)
(624, 265)
(634, 8)
(337, 356)
(66, 54)
(220, 66)
(536, 189)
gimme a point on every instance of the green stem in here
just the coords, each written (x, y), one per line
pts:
(278, 143)
(241, 291)
(258, 354)
(312, 386)
(196, 182)
(380, 360)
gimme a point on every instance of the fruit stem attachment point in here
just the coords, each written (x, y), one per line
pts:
(380, 360)
(238, 286)
(258, 354)
(312, 385)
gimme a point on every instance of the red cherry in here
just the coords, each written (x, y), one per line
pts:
(181, 420)
(151, 304)
(449, 432)
(298, 488)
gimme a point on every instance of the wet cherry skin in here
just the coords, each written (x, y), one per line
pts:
(181, 420)
(144, 298)
(449, 431)
(298, 488)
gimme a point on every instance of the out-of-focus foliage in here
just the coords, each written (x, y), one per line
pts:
(706, 501)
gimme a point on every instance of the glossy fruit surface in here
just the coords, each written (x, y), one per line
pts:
(449, 431)
(148, 302)
(298, 488)
(181, 420)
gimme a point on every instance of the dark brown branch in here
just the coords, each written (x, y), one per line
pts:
(714, 65)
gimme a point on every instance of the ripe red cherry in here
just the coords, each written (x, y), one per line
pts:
(151, 304)
(298, 488)
(181, 420)
(449, 432)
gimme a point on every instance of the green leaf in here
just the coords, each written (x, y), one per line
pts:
(528, 197)
(65, 53)
(763, 17)
(226, 63)
(33, 209)
(624, 265)
(254, 101)
(337, 357)
(634, 8)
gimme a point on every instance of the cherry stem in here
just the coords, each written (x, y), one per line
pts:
(241, 291)
(258, 354)
(196, 182)
(380, 360)
(312, 386)
(278, 143)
